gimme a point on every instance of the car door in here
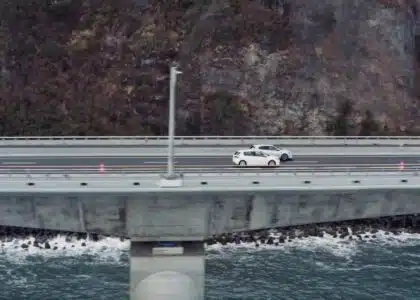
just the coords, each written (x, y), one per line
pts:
(274, 151)
(260, 158)
(249, 157)
(264, 149)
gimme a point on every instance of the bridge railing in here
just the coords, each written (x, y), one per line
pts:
(318, 170)
(113, 141)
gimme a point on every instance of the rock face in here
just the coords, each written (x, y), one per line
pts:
(310, 61)
(249, 67)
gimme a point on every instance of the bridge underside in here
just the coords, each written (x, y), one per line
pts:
(194, 216)
(167, 230)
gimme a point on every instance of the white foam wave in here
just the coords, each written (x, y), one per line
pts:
(113, 249)
(344, 248)
(106, 249)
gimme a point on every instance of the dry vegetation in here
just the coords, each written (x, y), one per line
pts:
(100, 67)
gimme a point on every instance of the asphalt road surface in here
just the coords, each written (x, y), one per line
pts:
(216, 164)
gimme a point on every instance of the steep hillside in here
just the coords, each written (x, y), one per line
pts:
(100, 67)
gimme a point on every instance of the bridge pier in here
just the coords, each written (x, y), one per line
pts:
(167, 271)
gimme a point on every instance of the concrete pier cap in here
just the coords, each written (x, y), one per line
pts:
(167, 285)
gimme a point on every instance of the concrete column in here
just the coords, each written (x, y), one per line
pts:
(167, 271)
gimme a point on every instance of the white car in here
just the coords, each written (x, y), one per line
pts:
(284, 154)
(252, 158)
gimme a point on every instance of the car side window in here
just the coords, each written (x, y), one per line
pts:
(260, 154)
(272, 148)
(264, 148)
(247, 153)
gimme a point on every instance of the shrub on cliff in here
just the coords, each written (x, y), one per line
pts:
(341, 124)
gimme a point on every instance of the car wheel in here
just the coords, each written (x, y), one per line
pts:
(242, 163)
(271, 163)
(284, 157)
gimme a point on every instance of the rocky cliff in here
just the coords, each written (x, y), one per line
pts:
(93, 67)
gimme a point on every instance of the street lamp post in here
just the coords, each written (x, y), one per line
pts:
(171, 128)
(170, 178)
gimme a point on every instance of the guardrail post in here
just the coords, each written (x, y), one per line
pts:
(170, 179)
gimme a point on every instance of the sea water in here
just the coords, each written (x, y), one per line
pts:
(385, 267)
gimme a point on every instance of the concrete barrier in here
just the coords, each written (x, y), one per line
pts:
(207, 183)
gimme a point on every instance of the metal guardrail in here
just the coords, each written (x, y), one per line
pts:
(321, 170)
(114, 141)
(201, 138)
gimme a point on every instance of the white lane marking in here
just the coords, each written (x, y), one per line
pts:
(157, 162)
(18, 163)
(357, 155)
(306, 161)
(70, 156)
(193, 155)
(122, 155)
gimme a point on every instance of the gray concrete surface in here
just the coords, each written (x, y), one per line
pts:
(113, 205)
(199, 151)
(201, 183)
(197, 215)
(188, 164)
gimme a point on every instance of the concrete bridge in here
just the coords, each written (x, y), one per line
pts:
(167, 224)
(114, 185)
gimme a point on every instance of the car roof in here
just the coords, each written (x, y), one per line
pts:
(247, 150)
(259, 145)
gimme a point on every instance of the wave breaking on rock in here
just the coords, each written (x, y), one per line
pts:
(355, 231)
